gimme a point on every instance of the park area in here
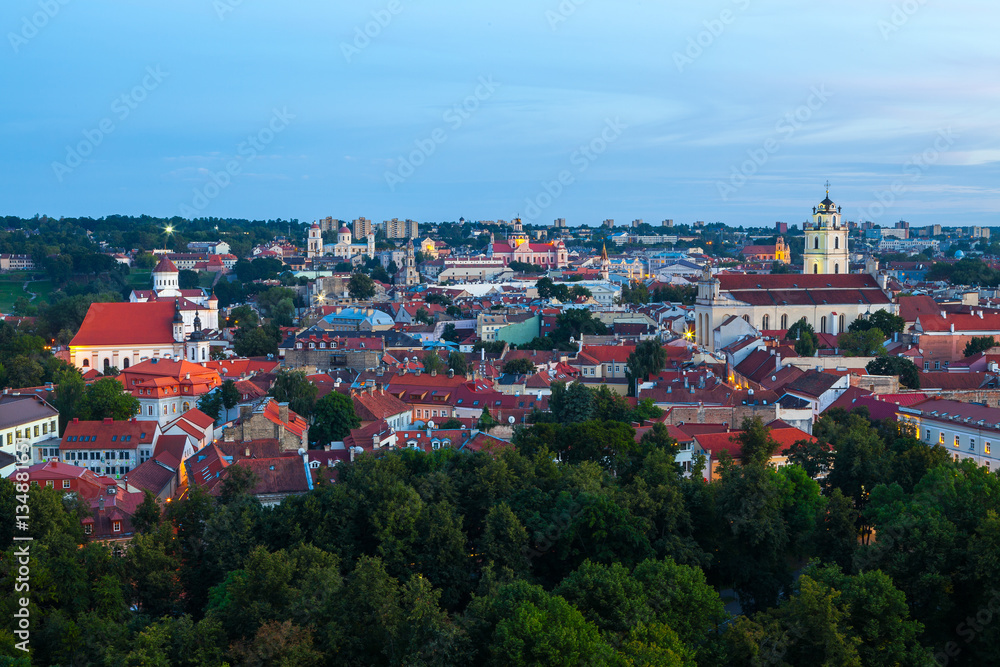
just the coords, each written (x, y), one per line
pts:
(12, 287)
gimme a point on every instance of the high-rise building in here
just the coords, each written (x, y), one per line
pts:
(559, 223)
(636, 223)
(402, 229)
(362, 228)
(669, 222)
(610, 223)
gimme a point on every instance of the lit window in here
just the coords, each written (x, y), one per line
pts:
(986, 447)
(50, 483)
(65, 483)
(956, 443)
(941, 438)
(88, 529)
(116, 526)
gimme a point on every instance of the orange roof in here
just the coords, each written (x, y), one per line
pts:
(127, 324)
(716, 442)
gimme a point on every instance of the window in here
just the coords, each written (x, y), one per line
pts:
(937, 365)
(89, 528)
(149, 410)
(765, 323)
(822, 324)
(116, 526)
(50, 483)
(86, 363)
(956, 444)
(836, 267)
(836, 244)
(972, 444)
(815, 243)
(65, 483)
(815, 268)
(784, 321)
(941, 438)
(45, 429)
(36, 430)
(986, 447)
(927, 365)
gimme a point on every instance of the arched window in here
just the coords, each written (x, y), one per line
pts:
(840, 326)
(816, 242)
(822, 324)
(836, 268)
(86, 363)
(766, 322)
(784, 321)
(815, 268)
(746, 318)
(107, 365)
(125, 363)
(836, 243)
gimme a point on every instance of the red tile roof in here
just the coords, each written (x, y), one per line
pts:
(127, 324)
(99, 434)
(165, 266)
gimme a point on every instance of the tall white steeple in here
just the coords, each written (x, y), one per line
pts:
(826, 249)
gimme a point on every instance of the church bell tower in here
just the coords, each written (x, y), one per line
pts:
(826, 240)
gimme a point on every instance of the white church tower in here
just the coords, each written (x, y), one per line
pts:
(166, 281)
(826, 240)
(315, 247)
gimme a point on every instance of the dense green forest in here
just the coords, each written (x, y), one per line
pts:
(550, 553)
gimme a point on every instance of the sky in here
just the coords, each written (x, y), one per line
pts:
(735, 111)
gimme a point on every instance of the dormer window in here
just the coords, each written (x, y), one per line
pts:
(116, 526)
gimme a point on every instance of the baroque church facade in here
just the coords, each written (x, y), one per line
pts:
(825, 294)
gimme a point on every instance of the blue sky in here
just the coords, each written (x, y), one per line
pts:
(727, 110)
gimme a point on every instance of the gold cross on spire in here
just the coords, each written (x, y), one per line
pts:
(827, 188)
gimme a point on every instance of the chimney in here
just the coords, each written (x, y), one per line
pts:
(777, 361)
(283, 412)
(434, 373)
(245, 412)
(100, 505)
(108, 420)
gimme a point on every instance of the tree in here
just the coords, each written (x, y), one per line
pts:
(862, 343)
(211, 404)
(433, 363)
(187, 279)
(449, 334)
(813, 456)
(333, 419)
(756, 443)
(147, 515)
(806, 340)
(244, 317)
(575, 322)
(69, 396)
(778, 268)
(522, 366)
(294, 388)
(907, 371)
(361, 287)
(486, 421)
(647, 358)
(452, 424)
(106, 398)
(979, 344)
(423, 317)
(571, 404)
(237, 482)
(230, 395)
(882, 320)
(258, 342)
(456, 362)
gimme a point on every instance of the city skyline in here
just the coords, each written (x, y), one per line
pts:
(735, 111)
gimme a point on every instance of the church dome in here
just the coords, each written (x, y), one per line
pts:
(344, 230)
